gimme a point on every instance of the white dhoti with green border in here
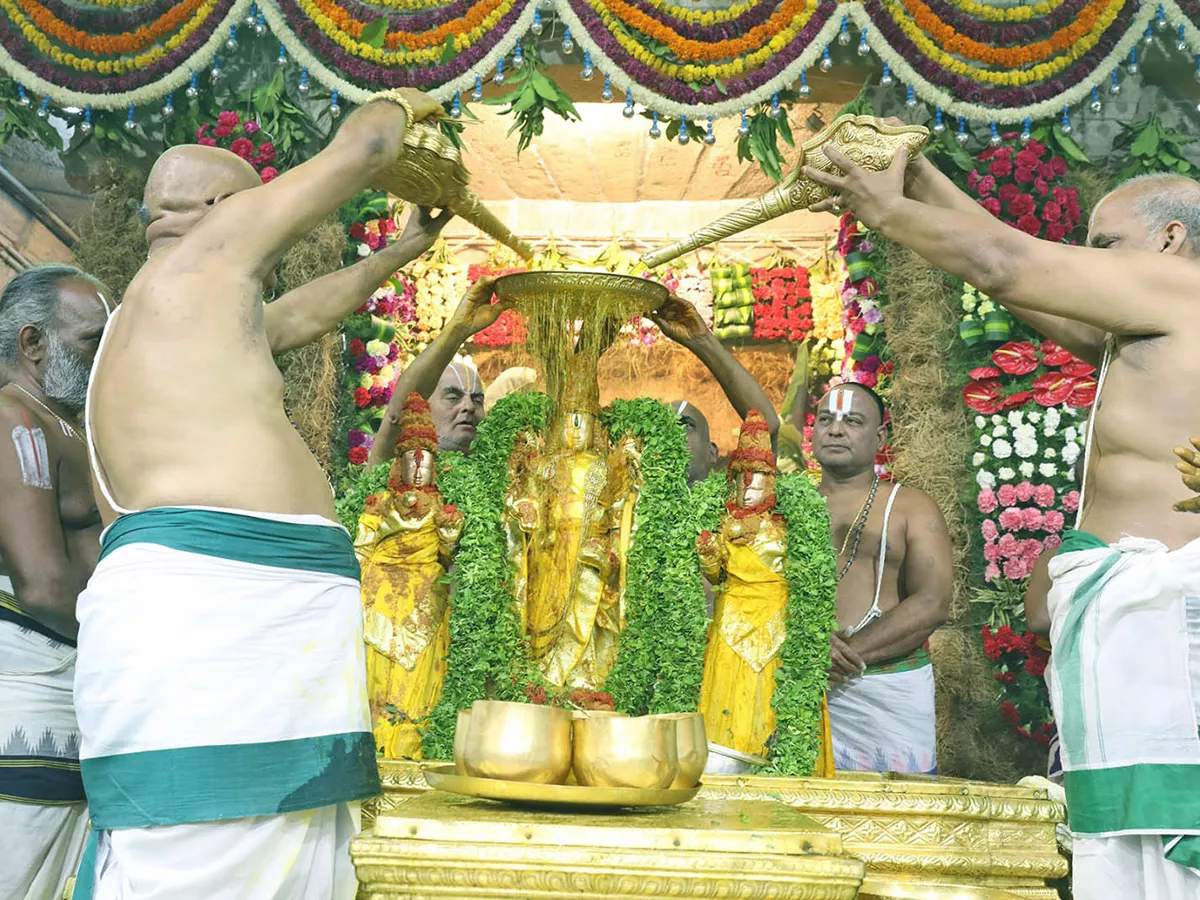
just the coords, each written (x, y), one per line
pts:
(1124, 682)
(221, 695)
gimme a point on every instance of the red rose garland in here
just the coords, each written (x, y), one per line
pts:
(1022, 185)
(782, 304)
(246, 139)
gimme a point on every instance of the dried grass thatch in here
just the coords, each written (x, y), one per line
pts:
(312, 375)
(112, 239)
(931, 441)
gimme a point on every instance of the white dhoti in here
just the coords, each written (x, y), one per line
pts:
(1124, 682)
(221, 694)
(43, 818)
(884, 721)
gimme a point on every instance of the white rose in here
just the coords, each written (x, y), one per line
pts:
(1071, 474)
(1070, 454)
(1047, 470)
(1025, 433)
(978, 460)
(1015, 419)
(985, 479)
(1071, 434)
(1050, 432)
(1026, 469)
(1053, 417)
(364, 250)
(1002, 449)
(1006, 474)
(980, 422)
(1034, 416)
(1026, 449)
(1050, 453)
(997, 420)
(985, 440)
(999, 431)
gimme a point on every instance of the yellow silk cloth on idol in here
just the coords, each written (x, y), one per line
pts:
(573, 610)
(407, 629)
(741, 659)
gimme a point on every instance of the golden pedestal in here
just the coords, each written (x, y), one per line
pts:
(938, 830)
(442, 845)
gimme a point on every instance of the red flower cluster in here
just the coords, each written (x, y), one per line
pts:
(1019, 186)
(376, 234)
(782, 307)
(507, 330)
(246, 139)
(1066, 381)
(1021, 663)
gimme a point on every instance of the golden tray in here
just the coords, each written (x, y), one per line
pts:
(523, 287)
(446, 778)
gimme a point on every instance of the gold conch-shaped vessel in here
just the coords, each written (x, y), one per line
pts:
(429, 172)
(866, 140)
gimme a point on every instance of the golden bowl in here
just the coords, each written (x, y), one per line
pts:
(616, 751)
(460, 740)
(595, 713)
(518, 742)
(691, 744)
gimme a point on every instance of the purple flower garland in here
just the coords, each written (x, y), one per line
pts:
(108, 20)
(1000, 34)
(1191, 9)
(371, 75)
(680, 92)
(25, 53)
(999, 97)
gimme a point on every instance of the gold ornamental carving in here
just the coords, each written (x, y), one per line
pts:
(429, 172)
(867, 141)
(527, 287)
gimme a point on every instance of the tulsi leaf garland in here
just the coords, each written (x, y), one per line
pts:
(661, 653)
(488, 656)
(802, 677)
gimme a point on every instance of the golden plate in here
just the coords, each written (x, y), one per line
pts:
(526, 287)
(445, 778)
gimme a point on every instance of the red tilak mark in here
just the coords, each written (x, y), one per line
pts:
(32, 443)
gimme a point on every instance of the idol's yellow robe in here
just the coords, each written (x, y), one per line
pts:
(747, 631)
(406, 619)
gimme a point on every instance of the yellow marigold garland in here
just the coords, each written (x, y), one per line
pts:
(1009, 78)
(105, 66)
(1007, 14)
(703, 51)
(704, 17)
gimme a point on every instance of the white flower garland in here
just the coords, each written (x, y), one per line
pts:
(1177, 17)
(975, 112)
(670, 108)
(352, 93)
(148, 93)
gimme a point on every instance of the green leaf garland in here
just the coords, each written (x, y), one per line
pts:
(358, 486)
(660, 657)
(802, 677)
(488, 657)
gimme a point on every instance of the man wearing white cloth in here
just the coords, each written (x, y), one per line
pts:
(220, 684)
(1125, 602)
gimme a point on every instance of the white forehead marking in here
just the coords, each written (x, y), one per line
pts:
(841, 402)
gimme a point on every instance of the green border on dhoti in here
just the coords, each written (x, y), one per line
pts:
(242, 538)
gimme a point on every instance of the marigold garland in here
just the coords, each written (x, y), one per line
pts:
(705, 17)
(396, 39)
(1007, 14)
(110, 45)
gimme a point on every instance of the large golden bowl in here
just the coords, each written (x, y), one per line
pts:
(626, 752)
(518, 742)
(461, 727)
(691, 744)
(529, 287)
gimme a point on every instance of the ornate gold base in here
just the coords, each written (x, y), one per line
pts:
(940, 830)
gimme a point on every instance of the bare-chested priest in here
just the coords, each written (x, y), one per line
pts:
(1125, 615)
(51, 319)
(895, 571)
(220, 685)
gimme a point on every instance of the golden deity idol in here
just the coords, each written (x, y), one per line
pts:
(405, 539)
(746, 558)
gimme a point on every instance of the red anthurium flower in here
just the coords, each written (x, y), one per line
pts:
(984, 373)
(983, 397)
(1077, 368)
(1054, 355)
(1017, 400)
(1052, 388)
(1083, 394)
(1016, 358)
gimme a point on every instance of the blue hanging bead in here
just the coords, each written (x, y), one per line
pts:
(628, 112)
(130, 124)
(744, 127)
(864, 49)
(168, 109)
(1027, 131)
(826, 61)
(477, 94)
(844, 34)
(1133, 61)
(995, 140)
(1065, 127)
(1095, 106)
(456, 106)
(281, 59)
(44, 110)
(251, 13)
(886, 80)
(805, 90)
(1148, 36)
(568, 45)
(304, 87)
(537, 27)
(22, 97)
(231, 43)
(1114, 84)
(518, 54)
(214, 73)
(606, 95)
(498, 78)
(709, 137)
(1160, 19)
(260, 24)
(910, 99)
(775, 112)
(655, 131)
(683, 137)
(193, 88)
(85, 127)
(1181, 40)
(939, 125)
(335, 108)
(1198, 68)
(588, 72)
(962, 137)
